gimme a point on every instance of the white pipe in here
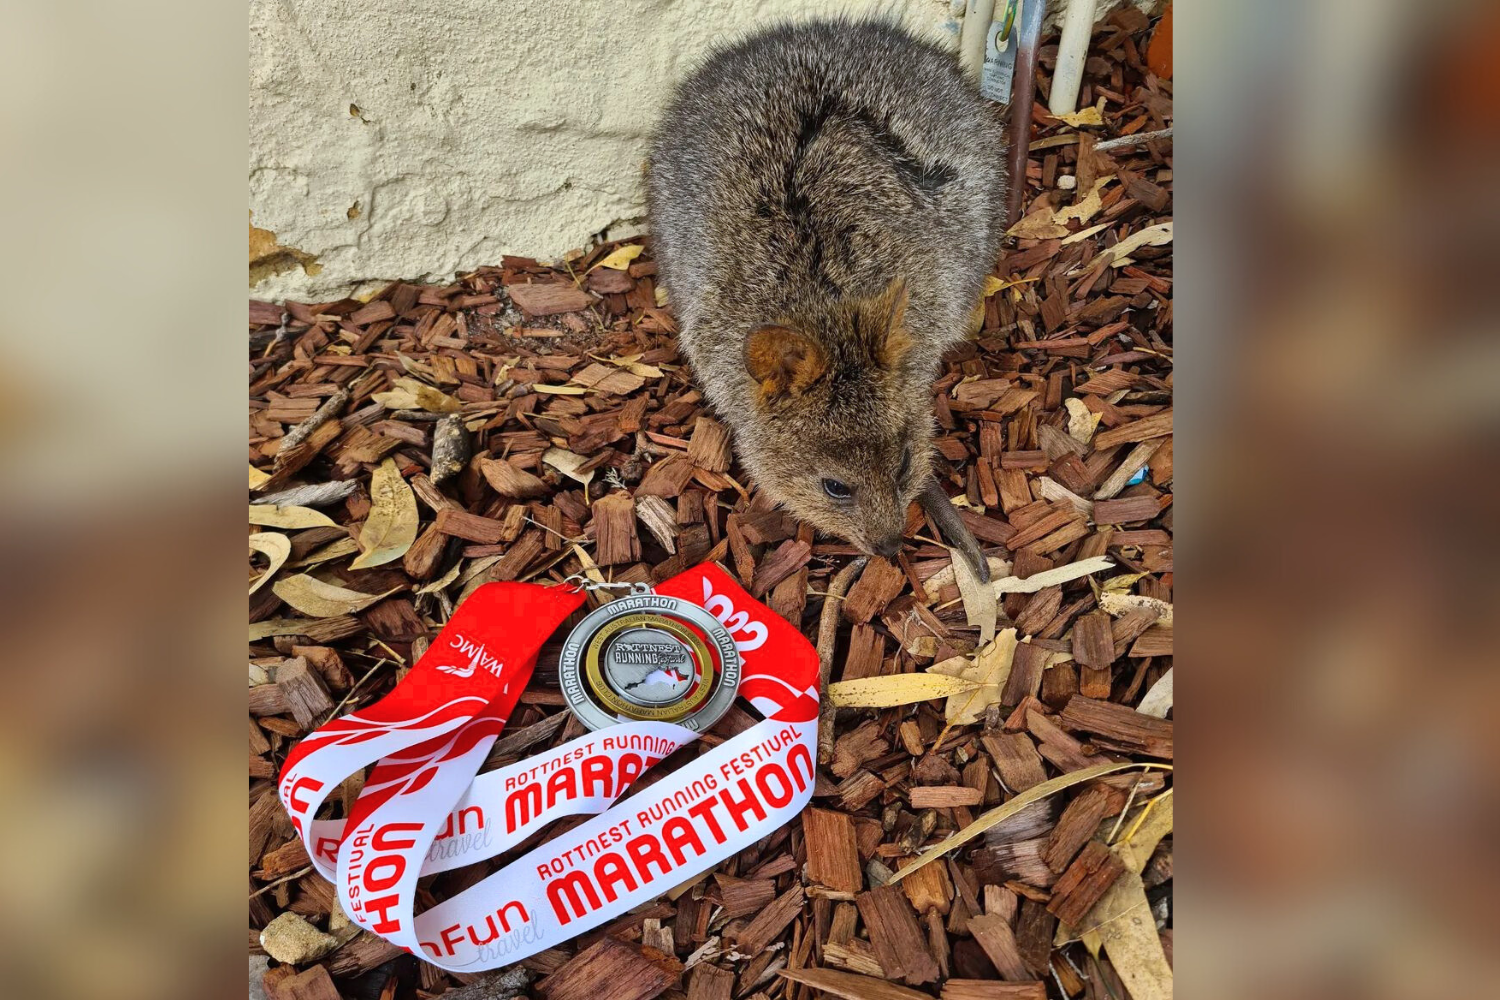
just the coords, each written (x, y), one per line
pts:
(1072, 50)
(971, 38)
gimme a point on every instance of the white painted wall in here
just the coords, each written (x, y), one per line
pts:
(483, 127)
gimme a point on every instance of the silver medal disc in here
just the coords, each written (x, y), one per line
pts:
(649, 657)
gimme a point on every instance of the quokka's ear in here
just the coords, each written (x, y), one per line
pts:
(891, 339)
(783, 361)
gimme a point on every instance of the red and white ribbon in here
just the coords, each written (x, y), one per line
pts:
(423, 810)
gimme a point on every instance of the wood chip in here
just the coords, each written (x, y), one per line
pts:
(510, 481)
(303, 692)
(615, 537)
(944, 796)
(876, 587)
(789, 557)
(769, 923)
(708, 448)
(989, 989)
(611, 968)
(832, 856)
(459, 523)
(851, 986)
(1121, 725)
(995, 936)
(1075, 827)
(1093, 642)
(1156, 425)
(549, 299)
(899, 943)
(1086, 880)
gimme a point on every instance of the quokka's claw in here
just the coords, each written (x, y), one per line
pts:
(935, 502)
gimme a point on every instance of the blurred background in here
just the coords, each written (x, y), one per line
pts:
(1337, 168)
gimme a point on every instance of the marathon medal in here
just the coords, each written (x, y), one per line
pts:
(649, 657)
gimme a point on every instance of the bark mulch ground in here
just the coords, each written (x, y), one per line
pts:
(546, 424)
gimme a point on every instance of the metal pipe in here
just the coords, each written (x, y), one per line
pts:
(1022, 92)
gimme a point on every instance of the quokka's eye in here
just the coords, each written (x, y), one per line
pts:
(905, 463)
(837, 489)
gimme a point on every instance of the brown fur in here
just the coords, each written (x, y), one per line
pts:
(826, 200)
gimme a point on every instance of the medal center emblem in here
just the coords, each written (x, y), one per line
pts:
(649, 657)
(648, 666)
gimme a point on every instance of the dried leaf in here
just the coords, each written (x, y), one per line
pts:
(1086, 207)
(620, 257)
(280, 626)
(473, 576)
(660, 295)
(411, 394)
(993, 284)
(1158, 235)
(1119, 604)
(980, 605)
(333, 550)
(391, 526)
(257, 477)
(1037, 226)
(1084, 234)
(312, 596)
(896, 689)
(289, 517)
(442, 582)
(948, 575)
(1081, 420)
(274, 547)
(1151, 825)
(1120, 584)
(1158, 701)
(1003, 812)
(1051, 577)
(635, 367)
(423, 371)
(987, 672)
(567, 463)
(1078, 119)
(1122, 923)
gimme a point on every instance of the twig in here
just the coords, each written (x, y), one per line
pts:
(1129, 800)
(571, 541)
(339, 707)
(287, 878)
(828, 629)
(1146, 811)
(331, 407)
(1126, 141)
(313, 495)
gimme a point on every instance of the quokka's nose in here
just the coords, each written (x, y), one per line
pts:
(888, 547)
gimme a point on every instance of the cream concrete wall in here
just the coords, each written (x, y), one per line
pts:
(414, 138)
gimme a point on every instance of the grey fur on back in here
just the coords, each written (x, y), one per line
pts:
(815, 163)
(819, 160)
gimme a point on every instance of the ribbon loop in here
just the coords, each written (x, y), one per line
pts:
(424, 810)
